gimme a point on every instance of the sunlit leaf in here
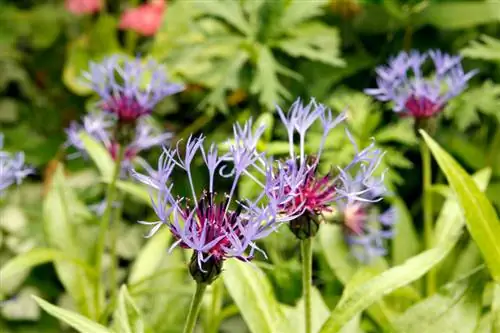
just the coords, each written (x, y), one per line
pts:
(127, 317)
(252, 293)
(73, 319)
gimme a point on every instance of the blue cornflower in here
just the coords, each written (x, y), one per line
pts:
(129, 89)
(412, 93)
(12, 168)
(100, 126)
(297, 192)
(216, 227)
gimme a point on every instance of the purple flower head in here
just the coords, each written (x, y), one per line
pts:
(12, 168)
(365, 229)
(403, 82)
(216, 227)
(100, 126)
(129, 89)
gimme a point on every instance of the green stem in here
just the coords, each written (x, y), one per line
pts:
(104, 226)
(194, 309)
(427, 212)
(306, 251)
(114, 229)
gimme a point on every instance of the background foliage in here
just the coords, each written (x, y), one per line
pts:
(238, 58)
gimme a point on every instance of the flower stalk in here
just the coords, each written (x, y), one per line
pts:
(114, 223)
(104, 226)
(195, 306)
(306, 252)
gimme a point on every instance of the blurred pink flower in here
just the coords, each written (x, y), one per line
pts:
(80, 7)
(145, 19)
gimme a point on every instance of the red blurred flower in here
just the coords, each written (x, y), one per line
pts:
(80, 7)
(145, 19)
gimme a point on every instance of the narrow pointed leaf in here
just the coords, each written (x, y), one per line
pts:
(75, 320)
(481, 219)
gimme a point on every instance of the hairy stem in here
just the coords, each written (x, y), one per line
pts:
(194, 309)
(306, 251)
(104, 226)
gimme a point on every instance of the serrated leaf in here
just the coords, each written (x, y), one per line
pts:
(486, 48)
(253, 294)
(314, 41)
(297, 12)
(481, 219)
(401, 132)
(266, 82)
(228, 10)
(75, 320)
(127, 317)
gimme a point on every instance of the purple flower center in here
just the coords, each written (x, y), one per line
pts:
(216, 223)
(314, 195)
(422, 107)
(126, 108)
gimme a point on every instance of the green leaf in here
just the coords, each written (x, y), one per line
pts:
(480, 215)
(405, 243)
(137, 191)
(266, 82)
(148, 260)
(456, 309)
(75, 320)
(495, 308)
(228, 10)
(63, 233)
(99, 155)
(459, 14)
(23, 263)
(314, 41)
(319, 314)
(486, 48)
(357, 299)
(253, 294)
(127, 317)
(297, 12)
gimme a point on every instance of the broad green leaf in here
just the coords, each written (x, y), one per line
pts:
(75, 320)
(405, 243)
(99, 155)
(337, 253)
(485, 324)
(23, 263)
(455, 309)
(487, 48)
(137, 191)
(148, 260)
(253, 294)
(480, 216)
(63, 233)
(319, 314)
(127, 317)
(366, 294)
(459, 14)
